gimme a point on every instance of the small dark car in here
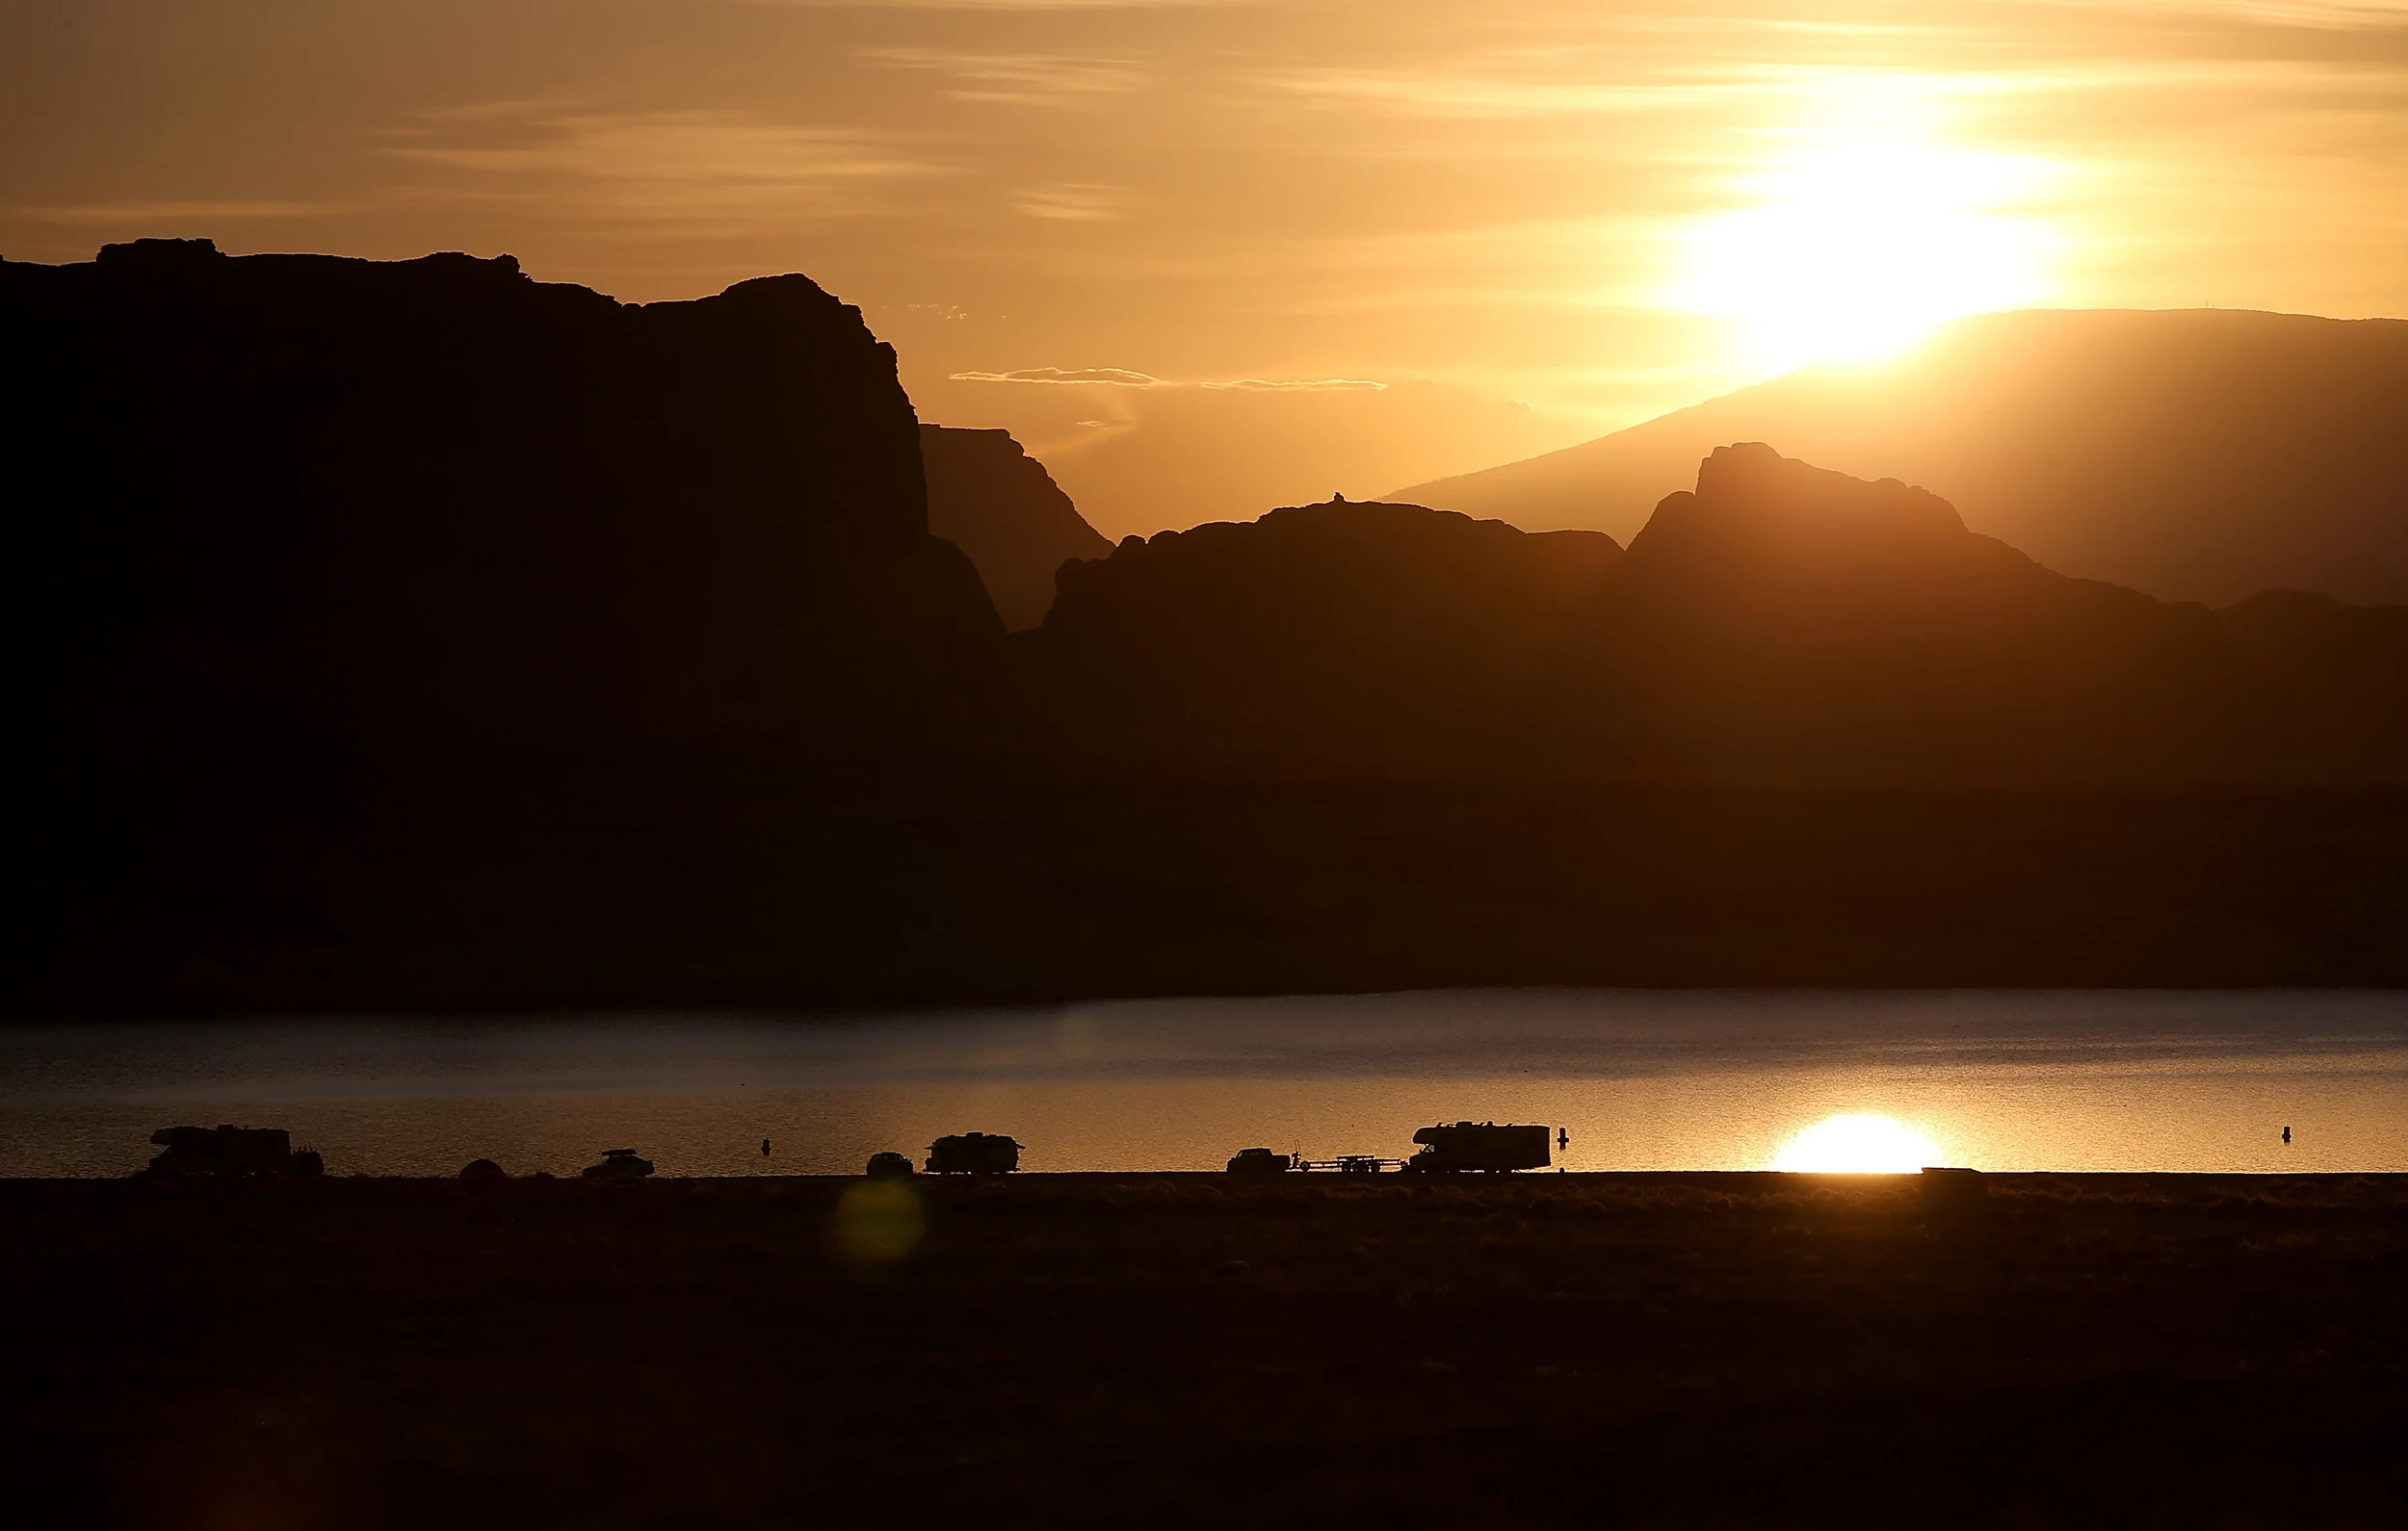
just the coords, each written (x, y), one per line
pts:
(618, 1164)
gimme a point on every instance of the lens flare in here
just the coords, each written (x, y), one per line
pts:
(878, 1221)
(1858, 1144)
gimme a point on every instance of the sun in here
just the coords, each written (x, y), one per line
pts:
(1857, 1144)
(1860, 235)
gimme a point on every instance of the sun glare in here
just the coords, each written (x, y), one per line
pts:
(1858, 1144)
(1861, 236)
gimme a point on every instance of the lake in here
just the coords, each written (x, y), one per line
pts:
(1639, 1081)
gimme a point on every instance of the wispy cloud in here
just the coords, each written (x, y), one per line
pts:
(2344, 16)
(1025, 79)
(166, 212)
(1123, 377)
(650, 165)
(1507, 88)
(1072, 203)
(1117, 376)
(1011, 5)
(1317, 386)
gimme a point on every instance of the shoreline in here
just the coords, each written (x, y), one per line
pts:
(2002, 1181)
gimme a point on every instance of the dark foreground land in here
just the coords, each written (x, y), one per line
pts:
(1180, 1350)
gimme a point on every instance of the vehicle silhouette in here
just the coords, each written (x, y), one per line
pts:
(974, 1154)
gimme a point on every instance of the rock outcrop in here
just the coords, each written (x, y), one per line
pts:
(1362, 628)
(2199, 455)
(997, 503)
(1781, 624)
(1788, 623)
(331, 579)
(302, 508)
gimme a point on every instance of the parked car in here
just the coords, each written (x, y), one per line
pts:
(618, 1164)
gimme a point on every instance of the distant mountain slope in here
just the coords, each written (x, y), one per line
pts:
(1781, 624)
(997, 503)
(2198, 455)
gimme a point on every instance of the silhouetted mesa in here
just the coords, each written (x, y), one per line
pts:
(2196, 455)
(299, 511)
(997, 503)
(1792, 623)
(310, 553)
(1788, 623)
(1357, 628)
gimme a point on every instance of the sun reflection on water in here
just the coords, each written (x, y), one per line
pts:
(1858, 1143)
(1720, 1082)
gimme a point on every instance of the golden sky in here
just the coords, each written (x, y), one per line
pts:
(1207, 257)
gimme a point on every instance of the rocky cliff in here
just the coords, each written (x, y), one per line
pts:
(1784, 622)
(997, 503)
(1371, 630)
(305, 553)
(433, 506)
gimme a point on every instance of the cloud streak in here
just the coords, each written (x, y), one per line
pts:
(1025, 79)
(1072, 203)
(1124, 377)
(1117, 376)
(642, 165)
(184, 212)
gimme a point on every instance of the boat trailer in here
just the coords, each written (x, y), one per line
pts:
(1351, 1164)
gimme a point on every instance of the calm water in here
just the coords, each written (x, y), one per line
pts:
(1641, 1079)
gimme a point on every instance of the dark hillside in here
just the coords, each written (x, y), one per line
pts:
(1789, 623)
(997, 503)
(296, 546)
(1385, 633)
(434, 507)
(1780, 625)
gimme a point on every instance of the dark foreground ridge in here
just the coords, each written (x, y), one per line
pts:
(2080, 1350)
(416, 635)
(997, 503)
